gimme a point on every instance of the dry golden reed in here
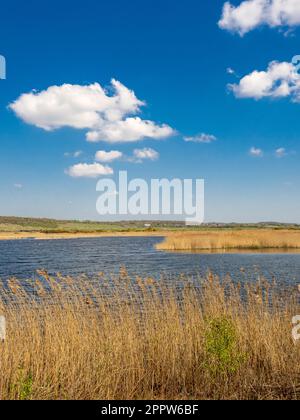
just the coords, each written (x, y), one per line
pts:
(222, 240)
(84, 339)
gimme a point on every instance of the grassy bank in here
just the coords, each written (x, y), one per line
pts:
(21, 228)
(51, 226)
(222, 240)
(71, 340)
(11, 227)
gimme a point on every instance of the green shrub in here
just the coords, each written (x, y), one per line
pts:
(222, 356)
(24, 386)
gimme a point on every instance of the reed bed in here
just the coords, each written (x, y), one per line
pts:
(124, 338)
(222, 240)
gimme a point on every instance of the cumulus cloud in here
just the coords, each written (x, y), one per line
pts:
(75, 106)
(85, 170)
(147, 153)
(103, 156)
(201, 138)
(250, 14)
(255, 152)
(131, 129)
(280, 80)
(107, 115)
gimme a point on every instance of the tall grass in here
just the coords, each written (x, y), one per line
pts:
(232, 239)
(124, 338)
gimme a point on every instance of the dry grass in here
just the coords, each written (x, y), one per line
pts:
(70, 339)
(232, 239)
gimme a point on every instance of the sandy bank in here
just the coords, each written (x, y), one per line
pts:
(7, 236)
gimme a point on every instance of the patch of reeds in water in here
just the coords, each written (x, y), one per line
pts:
(224, 240)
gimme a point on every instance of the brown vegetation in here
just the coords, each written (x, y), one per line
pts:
(223, 240)
(79, 339)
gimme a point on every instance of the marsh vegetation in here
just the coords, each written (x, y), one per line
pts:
(232, 239)
(120, 337)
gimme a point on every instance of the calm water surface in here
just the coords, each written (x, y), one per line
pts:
(22, 258)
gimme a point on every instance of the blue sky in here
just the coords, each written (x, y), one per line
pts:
(174, 56)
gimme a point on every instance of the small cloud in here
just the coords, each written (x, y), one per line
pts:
(281, 152)
(290, 33)
(145, 154)
(85, 170)
(103, 156)
(279, 80)
(201, 138)
(232, 72)
(132, 129)
(18, 186)
(76, 154)
(255, 152)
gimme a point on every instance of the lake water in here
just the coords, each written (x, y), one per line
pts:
(22, 258)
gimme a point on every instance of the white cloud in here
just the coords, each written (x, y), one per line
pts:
(255, 152)
(229, 70)
(75, 106)
(250, 14)
(103, 156)
(18, 186)
(85, 170)
(76, 154)
(107, 115)
(278, 81)
(131, 129)
(281, 152)
(146, 153)
(201, 138)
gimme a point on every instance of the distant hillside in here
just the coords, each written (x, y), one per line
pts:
(21, 224)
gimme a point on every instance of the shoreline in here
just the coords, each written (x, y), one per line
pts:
(11, 236)
(183, 242)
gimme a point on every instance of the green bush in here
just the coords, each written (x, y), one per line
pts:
(24, 385)
(222, 356)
